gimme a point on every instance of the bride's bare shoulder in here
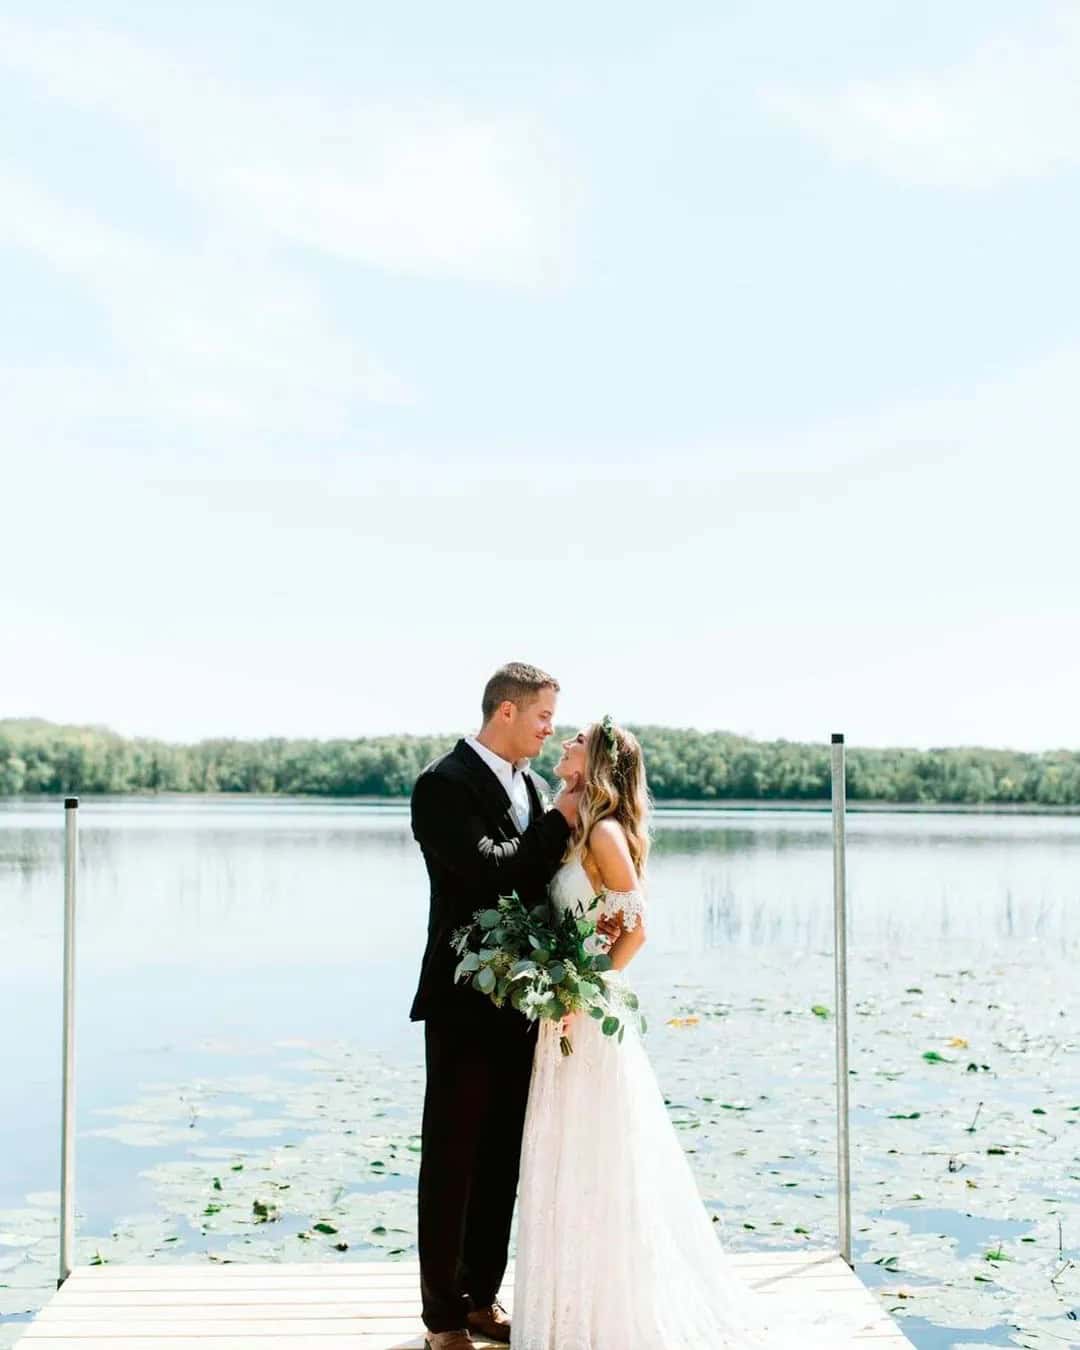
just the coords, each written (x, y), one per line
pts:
(608, 837)
(611, 853)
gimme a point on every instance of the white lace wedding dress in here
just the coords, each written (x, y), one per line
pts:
(615, 1249)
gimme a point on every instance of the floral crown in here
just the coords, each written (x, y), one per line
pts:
(607, 726)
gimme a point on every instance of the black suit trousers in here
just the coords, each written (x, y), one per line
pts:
(478, 1073)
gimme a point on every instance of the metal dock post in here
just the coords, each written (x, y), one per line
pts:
(67, 1126)
(843, 1141)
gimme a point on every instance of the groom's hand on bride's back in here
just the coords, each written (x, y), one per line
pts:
(568, 801)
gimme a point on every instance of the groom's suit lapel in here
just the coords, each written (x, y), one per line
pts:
(489, 787)
(535, 800)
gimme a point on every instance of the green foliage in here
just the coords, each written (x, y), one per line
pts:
(567, 939)
(683, 765)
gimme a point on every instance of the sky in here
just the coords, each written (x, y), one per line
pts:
(723, 359)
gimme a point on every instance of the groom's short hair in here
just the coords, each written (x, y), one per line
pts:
(515, 683)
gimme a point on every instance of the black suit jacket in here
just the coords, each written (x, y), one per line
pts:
(475, 852)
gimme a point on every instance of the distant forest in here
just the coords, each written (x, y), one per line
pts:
(43, 758)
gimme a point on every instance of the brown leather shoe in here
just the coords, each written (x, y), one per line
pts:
(448, 1340)
(491, 1323)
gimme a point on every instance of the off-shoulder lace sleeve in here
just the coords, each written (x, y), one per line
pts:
(631, 904)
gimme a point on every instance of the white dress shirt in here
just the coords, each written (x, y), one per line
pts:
(511, 776)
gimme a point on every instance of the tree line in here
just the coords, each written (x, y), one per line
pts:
(38, 757)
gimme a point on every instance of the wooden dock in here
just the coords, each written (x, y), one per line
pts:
(345, 1306)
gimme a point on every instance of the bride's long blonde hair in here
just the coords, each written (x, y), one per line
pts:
(615, 788)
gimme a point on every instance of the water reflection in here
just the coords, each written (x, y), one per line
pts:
(974, 1236)
(247, 882)
(927, 1336)
(248, 919)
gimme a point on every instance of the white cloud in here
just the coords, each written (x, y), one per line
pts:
(215, 326)
(217, 341)
(907, 578)
(1010, 111)
(423, 188)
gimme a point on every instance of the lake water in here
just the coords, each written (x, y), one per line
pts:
(247, 1071)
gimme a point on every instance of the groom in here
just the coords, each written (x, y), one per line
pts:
(480, 817)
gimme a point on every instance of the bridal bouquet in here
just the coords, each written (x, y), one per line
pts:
(546, 964)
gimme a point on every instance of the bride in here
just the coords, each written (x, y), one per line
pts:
(615, 1249)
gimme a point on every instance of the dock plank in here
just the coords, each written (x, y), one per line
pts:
(359, 1305)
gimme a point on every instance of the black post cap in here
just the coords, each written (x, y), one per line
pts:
(838, 738)
(70, 803)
